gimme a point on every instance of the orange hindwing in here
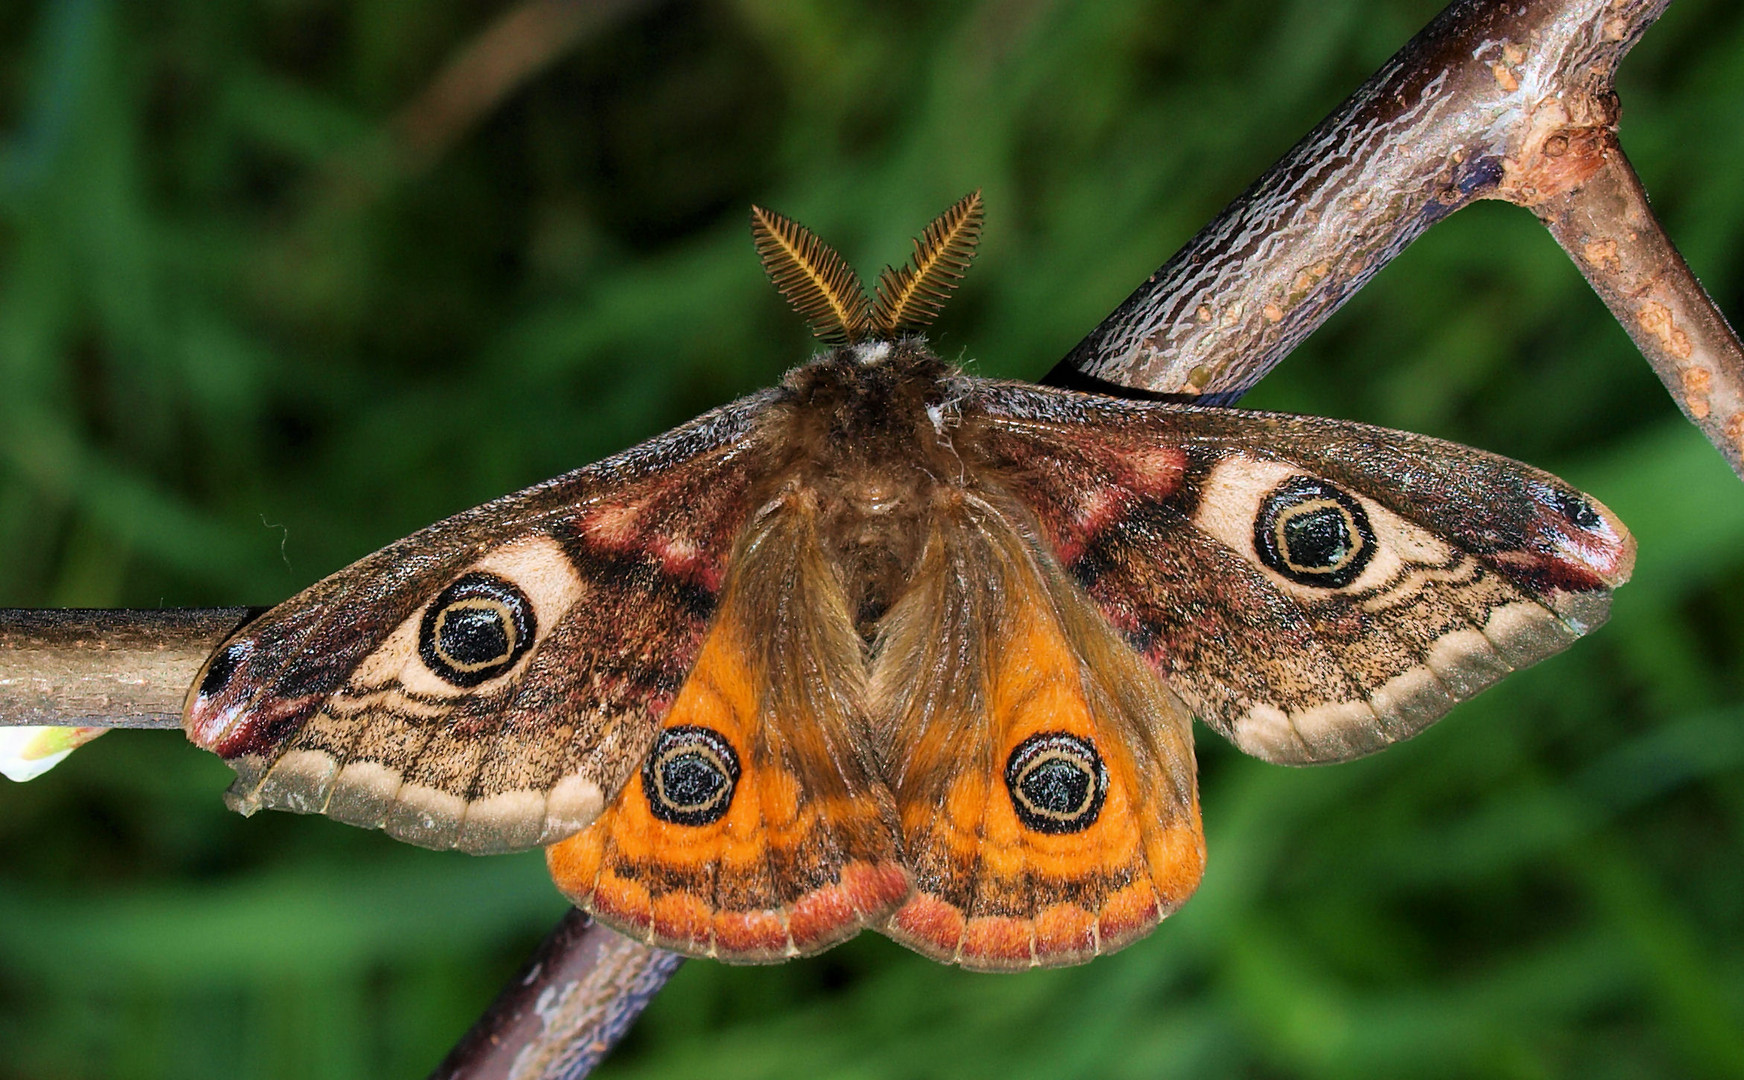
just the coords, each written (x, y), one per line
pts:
(1044, 778)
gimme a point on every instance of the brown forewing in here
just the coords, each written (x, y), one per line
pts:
(325, 705)
(1475, 564)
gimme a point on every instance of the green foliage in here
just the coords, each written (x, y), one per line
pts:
(242, 344)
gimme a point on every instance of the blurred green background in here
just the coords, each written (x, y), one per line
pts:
(265, 307)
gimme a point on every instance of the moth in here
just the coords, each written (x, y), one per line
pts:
(890, 646)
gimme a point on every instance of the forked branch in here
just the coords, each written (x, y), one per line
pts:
(1492, 100)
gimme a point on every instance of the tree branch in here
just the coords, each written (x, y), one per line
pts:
(563, 1012)
(105, 668)
(1490, 100)
(1609, 231)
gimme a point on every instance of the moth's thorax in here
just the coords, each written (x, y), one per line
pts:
(867, 431)
(859, 397)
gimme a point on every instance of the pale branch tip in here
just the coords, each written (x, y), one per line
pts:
(912, 295)
(819, 284)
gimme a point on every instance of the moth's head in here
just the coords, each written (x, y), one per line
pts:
(825, 290)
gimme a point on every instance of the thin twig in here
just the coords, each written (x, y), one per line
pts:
(522, 42)
(1606, 227)
(506, 55)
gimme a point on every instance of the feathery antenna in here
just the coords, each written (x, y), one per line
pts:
(910, 297)
(821, 287)
(827, 293)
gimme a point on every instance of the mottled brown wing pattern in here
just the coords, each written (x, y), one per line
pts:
(490, 682)
(759, 828)
(1313, 589)
(1043, 777)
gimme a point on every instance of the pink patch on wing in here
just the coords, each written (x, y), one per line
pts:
(751, 933)
(256, 729)
(615, 525)
(1601, 550)
(684, 559)
(1100, 508)
(998, 941)
(929, 921)
(832, 912)
(1157, 471)
(208, 722)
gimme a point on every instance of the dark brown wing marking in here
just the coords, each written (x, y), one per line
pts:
(1422, 572)
(344, 700)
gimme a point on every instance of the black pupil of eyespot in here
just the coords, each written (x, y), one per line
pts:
(477, 629)
(1314, 533)
(690, 780)
(1319, 537)
(690, 775)
(1057, 782)
(475, 634)
(1057, 785)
